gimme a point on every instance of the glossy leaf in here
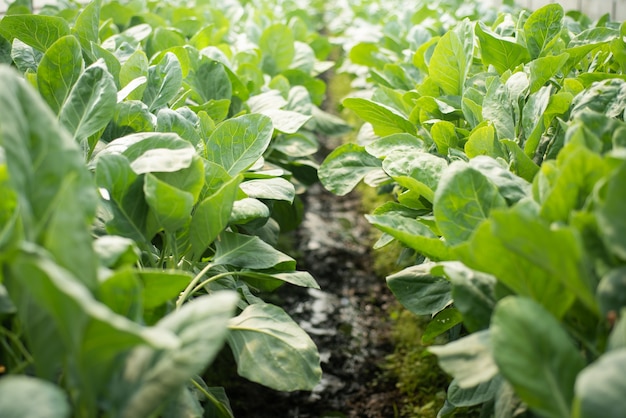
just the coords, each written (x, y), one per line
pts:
(503, 53)
(22, 396)
(463, 200)
(451, 59)
(441, 322)
(150, 377)
(542, 373)
(38, 31)
(543, 28)
(271, 349)
(249, 252)
(610, 221)
(239, 142)
(211, 215)
(169, 205)
(164, 81)
(418, 290)
(91, 103)
(58, 70)
(345, 167)
(385, 120)
(274, 188)
(413, 234)
(469, 359)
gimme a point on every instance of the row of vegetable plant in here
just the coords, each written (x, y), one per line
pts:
(500, 137)
(151, 153)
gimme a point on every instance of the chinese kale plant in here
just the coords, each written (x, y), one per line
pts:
(150, 155)
(502, 143)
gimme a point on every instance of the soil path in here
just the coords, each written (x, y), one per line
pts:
(347, 319)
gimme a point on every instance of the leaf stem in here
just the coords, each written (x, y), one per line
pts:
(219, 405)
(191, 286)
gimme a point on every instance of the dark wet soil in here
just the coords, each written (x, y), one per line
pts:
(347, 319)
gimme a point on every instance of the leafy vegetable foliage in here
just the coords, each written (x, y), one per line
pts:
(500, 138)
(148, 153)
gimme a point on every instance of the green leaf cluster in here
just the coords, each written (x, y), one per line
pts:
(499, 141)
(151, 155)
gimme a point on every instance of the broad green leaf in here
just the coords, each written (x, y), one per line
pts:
(296, 145)
(510, 186)
(65, 323)
(209, 81)
(463, 200)
(578, 172)
(25, 57)
(47, 169)
(533, 259)
(384, 119)
(164, 81)
(114, 251)
(418, 290)
(91, 103)
(86, 26)
(345, 167)
(476, 395)
(130, 117)
(413, 234)
(443, 321)
(237, 143)
(286, 121)
(270, 348)
(162, 39)
(38, 31)
(542, 29)
(211, 215)
(600, 387)
(153, 152)
(396, 143)
(169, 205)
(298, 278)
(416, 170)
(121, 292)
(469, 359)
(473, 294)
(249, 252)
(248, 210)
(134, 67)
(444, 135)
(160, 286)
(501, 52)
(151, 377)
(24, 396)
(277, 45)
(497, 109)
(58, 70)
(274, 188)
(452, 57)
(482, 141)
(609, 213)
(169, 120)
(520, 163)
(544, 68)
(542, 373)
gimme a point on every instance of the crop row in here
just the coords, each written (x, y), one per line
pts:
(150, 156)
(500, 141)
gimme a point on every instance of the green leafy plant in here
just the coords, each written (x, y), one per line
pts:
(503, 161)
(150, 155)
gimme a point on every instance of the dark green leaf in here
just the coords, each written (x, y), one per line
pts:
(418, 290)
(345, 167)
(600, 387)
(164, 81)
(249, 252)
(58, 70)
(270, 348)
(542, 373)
(38, 31)
(442, 322)
(463, 200)
(239, 142)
